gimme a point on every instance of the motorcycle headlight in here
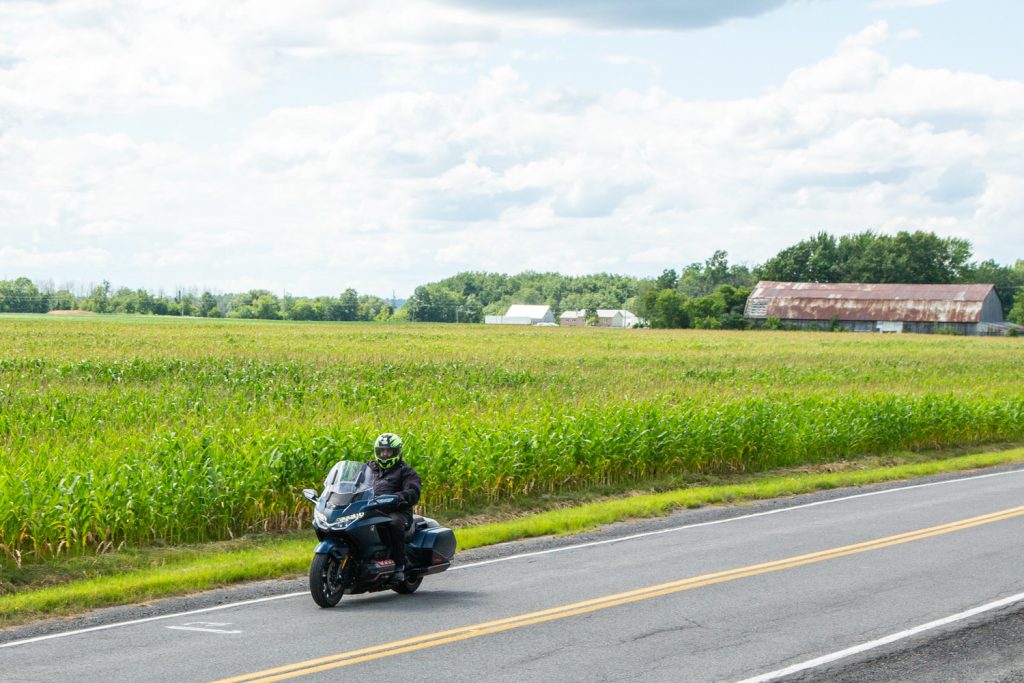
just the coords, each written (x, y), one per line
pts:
(343, 522)
(319, 518)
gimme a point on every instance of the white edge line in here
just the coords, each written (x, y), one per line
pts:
(148, 619)
(892, 638)
(620, 539)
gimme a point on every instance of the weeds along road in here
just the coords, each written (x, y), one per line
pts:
(755, 596)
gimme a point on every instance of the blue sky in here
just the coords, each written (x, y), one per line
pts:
(317, 145)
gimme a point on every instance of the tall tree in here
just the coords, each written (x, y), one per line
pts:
(911, 258)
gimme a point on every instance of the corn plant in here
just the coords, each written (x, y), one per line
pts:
(133, 431)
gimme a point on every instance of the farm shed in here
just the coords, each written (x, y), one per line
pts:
(523, 314)
(963, 309)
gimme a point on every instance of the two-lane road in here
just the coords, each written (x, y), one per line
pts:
(728, 600)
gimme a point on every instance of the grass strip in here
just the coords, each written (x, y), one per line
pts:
(590, 516)
(290, 556)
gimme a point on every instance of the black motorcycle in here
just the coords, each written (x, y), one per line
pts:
(352, 556)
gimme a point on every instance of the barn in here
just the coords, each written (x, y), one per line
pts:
(959, 309)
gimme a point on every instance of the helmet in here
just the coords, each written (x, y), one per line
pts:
(392, 444)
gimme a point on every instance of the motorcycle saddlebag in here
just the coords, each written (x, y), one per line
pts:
(433, 545)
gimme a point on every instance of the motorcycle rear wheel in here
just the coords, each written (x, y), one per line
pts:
(327, 579)
(408, 586)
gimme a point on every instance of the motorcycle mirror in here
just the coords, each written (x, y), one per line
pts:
(310, 495)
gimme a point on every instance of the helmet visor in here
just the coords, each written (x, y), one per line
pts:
(386, 457)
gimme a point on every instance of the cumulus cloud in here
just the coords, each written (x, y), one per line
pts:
(395, 188)
(846, 143)
(73, 56)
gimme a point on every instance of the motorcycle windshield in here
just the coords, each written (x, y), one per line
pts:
(348, 480)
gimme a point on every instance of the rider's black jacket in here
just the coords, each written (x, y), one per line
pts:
(400, 480)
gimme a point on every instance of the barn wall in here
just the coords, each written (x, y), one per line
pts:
(992, 309)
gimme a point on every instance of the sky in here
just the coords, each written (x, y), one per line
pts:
(315, 145)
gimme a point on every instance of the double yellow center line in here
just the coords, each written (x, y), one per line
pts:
(486, 628)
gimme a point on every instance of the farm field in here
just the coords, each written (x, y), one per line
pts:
(138, 431)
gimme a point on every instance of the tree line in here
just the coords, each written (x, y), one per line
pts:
(713, 293)
(708, 294)
(24, 296)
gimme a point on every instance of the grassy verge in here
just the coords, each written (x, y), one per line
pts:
(56, 589)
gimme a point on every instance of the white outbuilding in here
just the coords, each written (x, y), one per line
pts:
(523, 314)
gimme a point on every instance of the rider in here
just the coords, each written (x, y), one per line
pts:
(392, 475)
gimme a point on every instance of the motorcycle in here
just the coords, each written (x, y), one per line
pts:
(352, 556)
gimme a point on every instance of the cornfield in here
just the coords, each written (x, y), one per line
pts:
(134, 431)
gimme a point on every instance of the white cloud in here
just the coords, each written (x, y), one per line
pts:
(15, 260)
(397, 188)
(873, 35)
(1002, 204)
(75, 56)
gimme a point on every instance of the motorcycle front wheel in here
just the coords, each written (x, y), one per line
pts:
(327, 579)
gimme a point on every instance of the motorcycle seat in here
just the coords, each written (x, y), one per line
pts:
(418, 523)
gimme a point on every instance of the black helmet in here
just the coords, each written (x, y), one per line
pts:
(392, 443)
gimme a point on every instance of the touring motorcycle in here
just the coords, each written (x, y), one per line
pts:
(352, 555)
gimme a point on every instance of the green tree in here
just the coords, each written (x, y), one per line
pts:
(1016, 314)
(348, 305)
(99, 299)
(471, 311)
(303, 309)
(62, 300)
(207, 304)
(266, 307)
(811, 260)
(187, 304)
(909, 258)
(706, 311)
(665, 308)
(702, 279)
(22, 296)
(668, 279)
(434, 303)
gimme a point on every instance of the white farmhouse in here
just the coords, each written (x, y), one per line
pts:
(523, 314)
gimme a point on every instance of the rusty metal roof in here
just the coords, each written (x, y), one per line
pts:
(848, 301)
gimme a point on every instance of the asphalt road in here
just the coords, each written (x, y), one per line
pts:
(732, 595)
